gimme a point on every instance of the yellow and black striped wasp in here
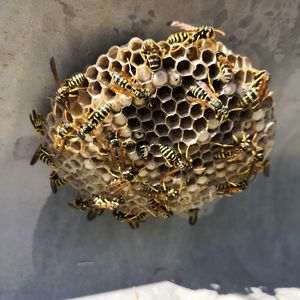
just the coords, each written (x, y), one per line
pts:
(226, 68)
(253, 96)
(37, 121)
(143, 150)
(237, 148)
(132, 219)
(152, 55)
(192, 34)
(56, 181)
(42, 154)
(67, 89)
(229, 188)
(205, 97)
(124, 84)
(94, 120)
(101, 202)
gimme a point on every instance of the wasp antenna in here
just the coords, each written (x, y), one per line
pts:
(221, 32)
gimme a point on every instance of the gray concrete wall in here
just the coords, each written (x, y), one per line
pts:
(49, 251)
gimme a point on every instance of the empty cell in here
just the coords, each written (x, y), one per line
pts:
(177, 52)
(137, 59)
(208, 56)
(239, 76)
(161, 129)
(187, 81)
(158, 117)
(75, 109)
(183, 108)
(160, 78)
(144, 114)
(231, 59)
(134, 123)
(192, 53)
(200, 71)
(213, 71)
(135, 44)
(130, 70)
(103, 62)
(189, 136)
(169, 106)
(91, 72)
(246, 115)
(165, 140)
(174, 79)
(86, 98)
(113, 52)
(124, 55)
(249, 77)
(109, 93)
(173, 121)
(186, 122)
(163, 93)
(115, 65)
(130, 146)
(148, 126)
(196, 111)
(176, 135)
(178, 93)
(94, 88)
(104, 77)
(239, 61)
(168, 63)
(129, 111)
(183, 67)
(209, 114)
(226, 126)
(200, 124)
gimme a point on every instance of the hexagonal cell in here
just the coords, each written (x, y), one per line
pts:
(196, 111)
(174, 79)
(113, 52)
(209, 114)
(75, 109)
(192, 53)
(173, 121)
(144, 114)
(178, 93)
(208, 56)
(200, 71)
(160, 78)
(94, 88)
(232, 59)
(183, 108)
(135, 44)
(184, 67)
(124, 55)
(138, 135)
(103, 62)
(213, 71)
(115, 65)
(186, 122)
(109, 93)
(129, 111)
(91, 72)
(175, 134)
(104, 77)
(177, 51)
(163, 93)
(239, 76)
(161, 129)
(200, 124)
(245, 115)
(147, 126)
(168, 63)
(129, 69)
(158, 117)
(226, 126)
(151, 138)
(137, 59)
(169, 106)
(187, 81)
(165, 140)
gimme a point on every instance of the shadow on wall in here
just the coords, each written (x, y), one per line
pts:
(236, 247)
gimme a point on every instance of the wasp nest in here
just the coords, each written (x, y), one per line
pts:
(160, 145)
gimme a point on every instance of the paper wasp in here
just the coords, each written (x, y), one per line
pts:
(152, 55)
(132, 219)
(42, 154)
(56, 181)
(37, 121)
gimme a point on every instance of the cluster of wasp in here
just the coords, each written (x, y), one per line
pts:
(178, 163)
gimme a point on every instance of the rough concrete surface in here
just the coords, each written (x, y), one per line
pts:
(49, 251)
